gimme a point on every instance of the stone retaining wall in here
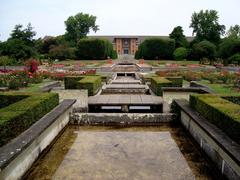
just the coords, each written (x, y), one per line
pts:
(18, 156)
(223, 151)
(120, 118)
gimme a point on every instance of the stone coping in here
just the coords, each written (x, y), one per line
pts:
(197, 84)
(48, 87)
(106, 119)
(186, 89)
(227, 144)
(11, 150)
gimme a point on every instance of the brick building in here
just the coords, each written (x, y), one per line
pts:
(128, 44)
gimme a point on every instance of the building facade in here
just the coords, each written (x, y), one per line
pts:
(128, 44)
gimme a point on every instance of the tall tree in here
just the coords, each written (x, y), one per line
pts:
(25, 35)
(20, 45)
(206, 26)
(234, 31)
(79, 26)
(179, 37)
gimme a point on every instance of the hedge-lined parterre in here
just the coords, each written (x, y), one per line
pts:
(220, 112)
(21, 110)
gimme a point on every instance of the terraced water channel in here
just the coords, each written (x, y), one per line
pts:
(163, 151)
(156, 152)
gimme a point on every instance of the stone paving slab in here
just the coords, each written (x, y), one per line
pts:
(124, 155)
(116, 99)
(80, 95)
(125, 86)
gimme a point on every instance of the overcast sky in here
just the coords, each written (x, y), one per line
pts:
(115, 17)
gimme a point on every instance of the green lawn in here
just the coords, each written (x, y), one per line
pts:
(159, 63)
(220, 88)
(34, 87)
(91, 63)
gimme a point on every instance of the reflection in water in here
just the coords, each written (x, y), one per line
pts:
(122, 153)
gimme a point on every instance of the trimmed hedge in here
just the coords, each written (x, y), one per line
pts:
(177, 81)
(10, 98)
(234, 98)
(92, 49)
(220, 112)
(156, 48)
(90, 82)
(71, 82)
(19, 116)
(157, 83)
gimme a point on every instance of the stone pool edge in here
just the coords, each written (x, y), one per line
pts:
(224, 152)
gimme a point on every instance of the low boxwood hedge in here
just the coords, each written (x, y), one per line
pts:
(10, 98)
(177, 81)
(220, 112)
(235, 98)
(90, 82)
(157, 83)
(71, 82)
(20, 115)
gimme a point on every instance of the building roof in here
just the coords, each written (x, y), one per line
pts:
(140, 38)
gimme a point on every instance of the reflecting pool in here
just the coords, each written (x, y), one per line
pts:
(162, 152)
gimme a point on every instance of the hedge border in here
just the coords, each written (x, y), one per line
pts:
(20, 115)
(220, 112)
(90, 82)
(157, 83)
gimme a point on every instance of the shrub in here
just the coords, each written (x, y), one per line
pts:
(234, 59)
(32, 65)
(226, 77)
(9, 98)
(3, 81)
(229, 47)
(62, 52)
(176, 81)
(203, 49)
(156, 48)
(191, 76)
(14, 83)
(234, 98)
(20, 115)
(71, 82)
(6, 61)
(211, 77)
(91, 83)
(220, 112)
(180, 53)
(91, 49)
(157, 83)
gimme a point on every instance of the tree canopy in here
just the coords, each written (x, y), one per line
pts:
(20, 45)
(179, 37)
(206, 26)
(234, 31)
(79, 26)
